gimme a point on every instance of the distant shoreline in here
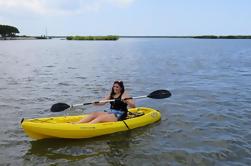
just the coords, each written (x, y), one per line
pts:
(110, 37)
(193, 37)
(223, 37)
(25, 38)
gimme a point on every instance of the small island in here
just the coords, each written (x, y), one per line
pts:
(110, 37)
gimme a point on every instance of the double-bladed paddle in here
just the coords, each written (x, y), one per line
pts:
(158, 94)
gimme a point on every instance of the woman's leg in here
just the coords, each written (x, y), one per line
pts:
(87, 119)
(104, 118)
(91, 117)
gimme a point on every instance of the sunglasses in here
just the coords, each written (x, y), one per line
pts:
(118, 81)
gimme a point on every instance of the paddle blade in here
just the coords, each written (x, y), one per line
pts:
(159, 94)
(59, 107)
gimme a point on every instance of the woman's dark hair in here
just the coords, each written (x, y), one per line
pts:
(121, 84)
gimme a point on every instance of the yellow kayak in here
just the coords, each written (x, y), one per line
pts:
(62, 127)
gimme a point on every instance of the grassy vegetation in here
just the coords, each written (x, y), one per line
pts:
(92, 37)
(223, 37)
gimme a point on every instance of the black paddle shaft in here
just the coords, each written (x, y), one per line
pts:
(158, 94)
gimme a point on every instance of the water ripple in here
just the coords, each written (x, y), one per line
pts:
(205, 122)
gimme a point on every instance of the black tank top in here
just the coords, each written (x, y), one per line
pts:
(118, 104)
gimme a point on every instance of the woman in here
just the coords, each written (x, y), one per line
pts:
(118, 109)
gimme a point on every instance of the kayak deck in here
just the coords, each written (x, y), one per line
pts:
(62, 127)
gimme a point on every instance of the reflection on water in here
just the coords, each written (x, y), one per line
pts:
(105, 150)
(205, 122)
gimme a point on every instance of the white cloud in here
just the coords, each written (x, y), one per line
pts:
(121, 3)
(61, 7)
(34, 5)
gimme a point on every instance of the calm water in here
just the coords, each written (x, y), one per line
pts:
(205, 122)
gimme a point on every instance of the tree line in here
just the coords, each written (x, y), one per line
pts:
(8, 31)
(110, 37)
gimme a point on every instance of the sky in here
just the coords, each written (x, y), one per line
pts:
(128, 17)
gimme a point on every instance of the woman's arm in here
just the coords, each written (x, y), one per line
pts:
(130, 102)
(103, 103)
